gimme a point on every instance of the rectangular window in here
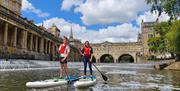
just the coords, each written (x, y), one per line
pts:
(19, 8)
(5, 3)
(14, 6)
(150, 35)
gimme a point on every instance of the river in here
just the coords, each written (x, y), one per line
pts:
(122, 77)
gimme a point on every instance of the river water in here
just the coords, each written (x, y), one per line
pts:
(122, 77)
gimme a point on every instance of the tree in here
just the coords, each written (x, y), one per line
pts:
(107, 59)
(171, 7)
(174, 39)
(168, 39)
(158, 44)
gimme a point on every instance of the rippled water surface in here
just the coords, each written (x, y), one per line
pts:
(122, 77)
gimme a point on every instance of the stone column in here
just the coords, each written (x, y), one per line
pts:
(98, 61)
(53, 51)
(116, 61)
(49, 47)
(42, 45)
(31, 42)
(46, 51)
(5, 34)
(36, 45)
(15, 37)
(25, 39)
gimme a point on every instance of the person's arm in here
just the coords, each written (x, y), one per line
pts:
(81, 51)
(91, 54)
(68, 52)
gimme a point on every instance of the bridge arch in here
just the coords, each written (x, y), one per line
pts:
(126, 58)
(106, 58)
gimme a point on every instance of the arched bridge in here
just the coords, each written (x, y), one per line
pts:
(117, 52)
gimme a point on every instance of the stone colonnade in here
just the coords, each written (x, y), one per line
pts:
(14, 40)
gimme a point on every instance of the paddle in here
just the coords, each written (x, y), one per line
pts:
(103, 76)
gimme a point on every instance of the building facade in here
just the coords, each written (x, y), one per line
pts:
(54, 30)
(147, 33)
(13, 5)
(21, 39)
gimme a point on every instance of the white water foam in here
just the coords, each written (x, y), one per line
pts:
(122, 72)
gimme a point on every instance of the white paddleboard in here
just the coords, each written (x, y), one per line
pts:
(50, 82)
(85, 82)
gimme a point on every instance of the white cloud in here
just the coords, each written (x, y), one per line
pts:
(28, 7)
(151, 17)
(110, 11)
(120, 33)
(65, 26)
(68, 4)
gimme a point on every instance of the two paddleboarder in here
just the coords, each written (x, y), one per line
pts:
(86, 51)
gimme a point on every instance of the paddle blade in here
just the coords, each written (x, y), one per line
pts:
(104, 77)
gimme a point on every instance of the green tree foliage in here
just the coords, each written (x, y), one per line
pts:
(107, 59)
(171, 7)
(158, 44)
(174, 38)
(162, 28)
(168, 38)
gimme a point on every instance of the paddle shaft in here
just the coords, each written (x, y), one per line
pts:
(97, 68)
(103, 76)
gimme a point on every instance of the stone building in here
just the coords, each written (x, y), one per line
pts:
(21, 39)
(54, 30)
(147, 33)
(13, 5)
(136, 50)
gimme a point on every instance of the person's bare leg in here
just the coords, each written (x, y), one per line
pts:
(62, 73)
(66, 69)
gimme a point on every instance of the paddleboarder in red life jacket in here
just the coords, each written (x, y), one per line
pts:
(87, 53)
(64, 51)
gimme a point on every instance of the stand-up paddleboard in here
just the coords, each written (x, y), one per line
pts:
(85, 82)
(51, 82)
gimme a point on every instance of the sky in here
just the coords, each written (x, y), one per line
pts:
(96, 21)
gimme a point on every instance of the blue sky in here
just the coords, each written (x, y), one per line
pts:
(93, 20)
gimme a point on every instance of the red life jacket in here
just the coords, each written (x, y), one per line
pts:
(62, 49)
(87, 51)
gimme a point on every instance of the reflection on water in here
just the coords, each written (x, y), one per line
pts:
(122, 77)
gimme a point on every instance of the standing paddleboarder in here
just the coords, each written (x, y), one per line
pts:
(64, 51)
(87, 53)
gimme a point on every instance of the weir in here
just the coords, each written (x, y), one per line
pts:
(11, 65)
